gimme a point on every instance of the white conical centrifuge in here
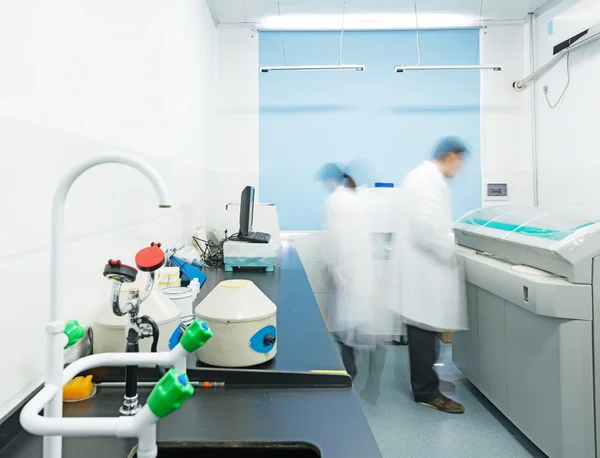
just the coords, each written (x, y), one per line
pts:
(244, 324)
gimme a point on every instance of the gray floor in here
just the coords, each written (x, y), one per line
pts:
(406, 429)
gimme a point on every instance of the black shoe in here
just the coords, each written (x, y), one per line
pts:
(444, 404)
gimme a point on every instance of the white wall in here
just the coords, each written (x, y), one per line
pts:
(234, 163)
(78, 79)
(505, 115)
(567, 137)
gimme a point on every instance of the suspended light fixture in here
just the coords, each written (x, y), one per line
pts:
(401, 69)
(357, 67)
(338, 66)
(419, 67)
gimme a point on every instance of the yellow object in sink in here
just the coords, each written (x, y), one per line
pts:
(79, 388)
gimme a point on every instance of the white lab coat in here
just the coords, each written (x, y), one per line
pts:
(431, 287)
(347, 253)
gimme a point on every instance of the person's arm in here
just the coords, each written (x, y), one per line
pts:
(428, 225)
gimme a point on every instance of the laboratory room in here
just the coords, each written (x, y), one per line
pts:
(300, 228)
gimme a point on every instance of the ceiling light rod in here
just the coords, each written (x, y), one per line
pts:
(357, 67)
(407, 68)
(342, 34)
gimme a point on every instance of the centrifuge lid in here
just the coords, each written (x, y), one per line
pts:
(236, 301)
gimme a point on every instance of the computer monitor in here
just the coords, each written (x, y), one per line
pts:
(246, 210)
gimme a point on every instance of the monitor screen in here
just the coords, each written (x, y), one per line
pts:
(251, 212)
(247, 210)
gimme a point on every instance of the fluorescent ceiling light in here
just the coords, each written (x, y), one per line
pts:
(368, 21)
(406, 68)
(358, 68)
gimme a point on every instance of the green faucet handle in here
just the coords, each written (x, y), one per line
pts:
(74, 332)
(169, 394)
(195, 336)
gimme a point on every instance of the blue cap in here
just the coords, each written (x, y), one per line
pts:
(330, 171)
(449, 145)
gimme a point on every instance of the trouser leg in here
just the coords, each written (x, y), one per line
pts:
(377, 356)
(348, 358)
(423, 355)
(372, 389)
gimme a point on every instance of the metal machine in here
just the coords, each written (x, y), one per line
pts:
(138, 327)
(533, 282)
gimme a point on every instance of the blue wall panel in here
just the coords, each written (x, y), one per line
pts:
(393, 120)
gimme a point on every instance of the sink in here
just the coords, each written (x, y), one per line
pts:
(238, 450)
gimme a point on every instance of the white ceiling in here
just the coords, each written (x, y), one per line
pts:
(263, 13)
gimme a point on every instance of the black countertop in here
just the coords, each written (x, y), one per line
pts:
(303, 341)
(331, 419)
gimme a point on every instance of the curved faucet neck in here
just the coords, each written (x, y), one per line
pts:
(58, 216)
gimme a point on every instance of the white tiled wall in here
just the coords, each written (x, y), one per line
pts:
(307, 244)
(234, 164)
(79, 79)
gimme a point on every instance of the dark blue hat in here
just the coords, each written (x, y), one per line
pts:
(449, 145)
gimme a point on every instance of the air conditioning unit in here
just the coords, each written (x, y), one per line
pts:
(574, 25)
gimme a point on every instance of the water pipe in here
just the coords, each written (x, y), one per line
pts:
(116, 426)
(169, 394)
(50, 398)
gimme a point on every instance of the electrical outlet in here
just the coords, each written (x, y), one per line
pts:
(545, 89)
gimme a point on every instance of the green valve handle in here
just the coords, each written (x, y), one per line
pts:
(74, 332)
(169, 394)
(195, 336)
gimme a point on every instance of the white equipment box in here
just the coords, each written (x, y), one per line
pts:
(533, 345)
(244, 254)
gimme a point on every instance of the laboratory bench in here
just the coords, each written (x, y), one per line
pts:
(278, 404)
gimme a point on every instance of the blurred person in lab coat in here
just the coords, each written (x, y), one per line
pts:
(347, 253)
(431, 296)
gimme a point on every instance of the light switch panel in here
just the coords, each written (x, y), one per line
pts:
(497, 191)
